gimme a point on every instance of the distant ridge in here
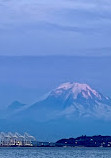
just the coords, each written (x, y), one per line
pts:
(15, 105)
(86, 141)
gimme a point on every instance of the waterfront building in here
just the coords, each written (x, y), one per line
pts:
(16, 139)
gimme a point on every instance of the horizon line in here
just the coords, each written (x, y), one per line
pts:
(61, 55)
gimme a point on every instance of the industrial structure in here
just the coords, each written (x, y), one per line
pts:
(16, 139)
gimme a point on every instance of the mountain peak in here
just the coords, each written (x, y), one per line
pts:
(74, 85)
(15, 105)
(75, 89)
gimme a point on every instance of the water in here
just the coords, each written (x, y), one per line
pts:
(55, 152)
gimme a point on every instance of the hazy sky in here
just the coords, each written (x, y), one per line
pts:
(43, 27)
(28, 78)
(48, 27)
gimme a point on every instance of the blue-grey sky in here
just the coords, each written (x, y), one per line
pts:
(27, 79)
(48, 27)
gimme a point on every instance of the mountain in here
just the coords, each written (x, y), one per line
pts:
(81, 100)
(12, 109)
(71, 109)
(71, 101)
(16, 105)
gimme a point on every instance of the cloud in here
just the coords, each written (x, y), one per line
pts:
(86, 24)
(54, 26)
(14, 11)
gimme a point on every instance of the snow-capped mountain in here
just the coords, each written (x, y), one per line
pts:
(72, 100)
(78, 91)
(78, 99)
(70, 108)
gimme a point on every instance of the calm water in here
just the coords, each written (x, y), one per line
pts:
(55, 152)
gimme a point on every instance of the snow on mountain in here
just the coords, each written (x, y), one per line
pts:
(80, 100)
(69, 108)
(75, 89)
(70, 100)
(79, 92)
